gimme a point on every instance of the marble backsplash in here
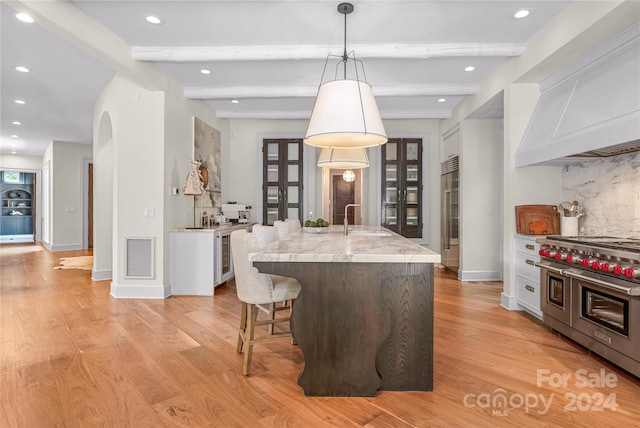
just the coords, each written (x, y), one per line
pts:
(609, 190)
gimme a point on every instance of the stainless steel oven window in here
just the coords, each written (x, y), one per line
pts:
(607, 310)
(555, 288)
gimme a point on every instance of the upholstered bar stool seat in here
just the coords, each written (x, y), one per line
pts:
(283, 228)
(266, 235)
(253, 289)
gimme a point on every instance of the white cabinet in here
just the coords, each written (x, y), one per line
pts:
(200, 260)
(527, 274)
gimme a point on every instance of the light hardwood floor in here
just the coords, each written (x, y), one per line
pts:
(73, 356)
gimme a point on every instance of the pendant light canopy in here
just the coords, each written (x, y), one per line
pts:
(345, 113)
(343, 158)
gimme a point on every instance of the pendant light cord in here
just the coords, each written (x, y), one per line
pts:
(344, 54)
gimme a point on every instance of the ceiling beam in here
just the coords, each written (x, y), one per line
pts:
(298, 52)
(240, 92)
(304, 115)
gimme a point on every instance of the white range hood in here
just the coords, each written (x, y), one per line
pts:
(590, 108)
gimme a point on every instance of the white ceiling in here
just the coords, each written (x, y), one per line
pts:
(267, 54)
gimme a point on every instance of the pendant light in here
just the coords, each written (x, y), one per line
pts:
(349, 176)
(345, 113)
(343, 158)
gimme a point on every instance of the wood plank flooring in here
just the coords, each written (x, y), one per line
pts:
(73, 356)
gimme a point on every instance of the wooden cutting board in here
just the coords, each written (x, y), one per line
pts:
(537, 220)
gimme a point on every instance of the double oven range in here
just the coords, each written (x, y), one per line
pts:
(591, 294)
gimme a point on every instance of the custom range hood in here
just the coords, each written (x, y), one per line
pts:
(588, 109)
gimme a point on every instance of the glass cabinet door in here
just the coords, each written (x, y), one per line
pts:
(282, 180)
(402, 186)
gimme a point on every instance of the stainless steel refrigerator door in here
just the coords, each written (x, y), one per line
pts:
(449, 239)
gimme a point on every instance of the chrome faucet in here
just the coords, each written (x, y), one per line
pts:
(346, 219)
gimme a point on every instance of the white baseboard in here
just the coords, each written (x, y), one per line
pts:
(479, 275)
(140, 291)
(509, 302)
(66, 247)
(101, 275)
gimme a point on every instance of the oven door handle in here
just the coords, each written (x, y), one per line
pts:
(549, 267)
(631, 291)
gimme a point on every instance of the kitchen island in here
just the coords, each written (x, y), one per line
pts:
(364, 317)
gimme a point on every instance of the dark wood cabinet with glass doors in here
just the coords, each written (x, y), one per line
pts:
(402, 186)
(282, 179)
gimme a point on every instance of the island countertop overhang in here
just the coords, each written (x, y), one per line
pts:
(336, 247)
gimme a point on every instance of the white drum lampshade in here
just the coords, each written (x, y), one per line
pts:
(345, 115)
(343, 158)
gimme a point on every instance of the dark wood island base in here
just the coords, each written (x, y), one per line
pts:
(362, 327)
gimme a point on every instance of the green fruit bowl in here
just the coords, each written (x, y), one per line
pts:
(315, 229)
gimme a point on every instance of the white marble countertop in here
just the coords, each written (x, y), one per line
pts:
(216, 228)
(334, 246)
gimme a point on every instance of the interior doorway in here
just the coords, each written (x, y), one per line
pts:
(343, 194)
(337, 193)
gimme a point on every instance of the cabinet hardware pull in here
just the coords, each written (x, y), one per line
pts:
(529, 247)
(530, 288)
(530, 262)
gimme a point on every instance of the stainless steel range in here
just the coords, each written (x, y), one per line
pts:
(591, 294)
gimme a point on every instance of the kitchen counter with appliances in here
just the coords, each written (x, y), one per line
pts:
(200, 259)
(364, 317)
(591, 294)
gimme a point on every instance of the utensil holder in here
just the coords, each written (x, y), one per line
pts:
(569, 226)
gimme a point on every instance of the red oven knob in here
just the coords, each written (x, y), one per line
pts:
(541, 253)
(569, 258)
(585, 262)
(605, 267)
(630, 272)
(595, 265)
(617, 270)
(558, 256)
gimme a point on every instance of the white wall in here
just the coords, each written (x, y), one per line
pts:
(152, 144)
(66, 215)
(137, 119)
(480, 200)
(178, 149)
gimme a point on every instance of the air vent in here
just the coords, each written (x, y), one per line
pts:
(139, 257)
(450, 165)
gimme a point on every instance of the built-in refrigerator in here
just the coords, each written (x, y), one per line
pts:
(449, 205)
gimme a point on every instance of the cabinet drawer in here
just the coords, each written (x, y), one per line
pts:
(526, 246)
(528, 294)
(525, 266)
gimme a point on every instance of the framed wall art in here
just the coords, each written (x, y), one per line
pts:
(206, 150)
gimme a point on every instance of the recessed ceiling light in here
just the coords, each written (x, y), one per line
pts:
(441, 100)
(13, 152)
(24, 17)
(205, 71)
(19, 102)
(235, 101)
(22, 69)
(469, 68)
(14, 136)
(152, 19)
(521, 13)
(15, 122)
